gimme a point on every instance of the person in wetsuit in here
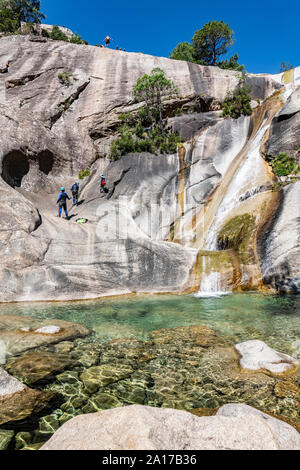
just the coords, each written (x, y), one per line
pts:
(75, 192)
(62, 203)
(102, 182)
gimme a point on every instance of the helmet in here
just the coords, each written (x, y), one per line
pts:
(101, 175)
(62, 189)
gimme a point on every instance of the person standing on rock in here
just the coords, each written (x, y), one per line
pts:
(75, 192)
(107, 41)
(62, 203)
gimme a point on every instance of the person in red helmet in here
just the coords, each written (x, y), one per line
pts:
(107, 41)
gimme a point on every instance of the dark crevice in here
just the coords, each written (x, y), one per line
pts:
(65, 105)
(14, 167)
(46, 161)
(285, 117)
(21, 81)
(115, 184)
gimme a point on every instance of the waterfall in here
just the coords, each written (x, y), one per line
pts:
(211, 285)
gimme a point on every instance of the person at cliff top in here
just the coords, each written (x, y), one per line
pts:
(62, 203)
(107, 41)
(102, 183)
(75, 191)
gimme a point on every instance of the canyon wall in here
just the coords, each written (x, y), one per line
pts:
(162, 213)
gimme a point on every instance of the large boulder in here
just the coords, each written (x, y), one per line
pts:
(280, 251)
(257, 355)
(144, 428)
(284, 433)
(19, 402)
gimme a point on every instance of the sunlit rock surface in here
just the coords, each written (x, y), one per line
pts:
(257, 355)
(50, 130)
(142, 428)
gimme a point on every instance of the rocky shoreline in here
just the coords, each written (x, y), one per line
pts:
(184, 368)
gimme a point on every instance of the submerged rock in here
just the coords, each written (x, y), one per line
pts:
(18, 402)
(23, 439)
(99, 376)
(38, 366)
(5, 438)
(20, 334)
(257, 355)
(143, 428)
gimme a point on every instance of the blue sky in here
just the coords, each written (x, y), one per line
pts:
(266, 32)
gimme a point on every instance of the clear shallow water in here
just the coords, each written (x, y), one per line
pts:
(273, 319)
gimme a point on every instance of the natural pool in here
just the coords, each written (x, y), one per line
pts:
(240, 317)
(164, 352)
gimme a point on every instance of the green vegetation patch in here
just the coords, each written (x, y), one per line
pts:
(236, 234)
(284, 165)
(209, 46)
(64, 77)
(145, 130)
(238, 102)
(83, 173)
(136, 140)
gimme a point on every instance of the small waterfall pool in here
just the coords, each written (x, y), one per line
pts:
(167, 368)
(240, 317)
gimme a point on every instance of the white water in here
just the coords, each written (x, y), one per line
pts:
(246, 177)
(245, 184)
(211, 285)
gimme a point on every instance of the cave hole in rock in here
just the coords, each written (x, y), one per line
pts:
(14, 167)
(46, 161)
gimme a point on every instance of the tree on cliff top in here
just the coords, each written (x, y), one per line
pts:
(212, 41)
(8, 18)
(13, 12)
(183, 51)
(208, 46)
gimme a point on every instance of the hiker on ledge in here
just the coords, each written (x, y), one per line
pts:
(102, 184)
(75, 191)
(107, 41)
(62, 203)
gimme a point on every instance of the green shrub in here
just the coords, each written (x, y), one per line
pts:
(58, 35)
(83, 173)
(144, 129)
(238, 102)
(137, 140)
(75, 39)
(284, 165)
(64, 77)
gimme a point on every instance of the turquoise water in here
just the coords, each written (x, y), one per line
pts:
(240, 317)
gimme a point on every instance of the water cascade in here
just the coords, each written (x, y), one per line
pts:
(211, 285)
(243, 189)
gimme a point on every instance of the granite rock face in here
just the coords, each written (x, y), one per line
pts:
(144, 428)
(285, 129)
(51, 129)
(281, 247)
(20, 334)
